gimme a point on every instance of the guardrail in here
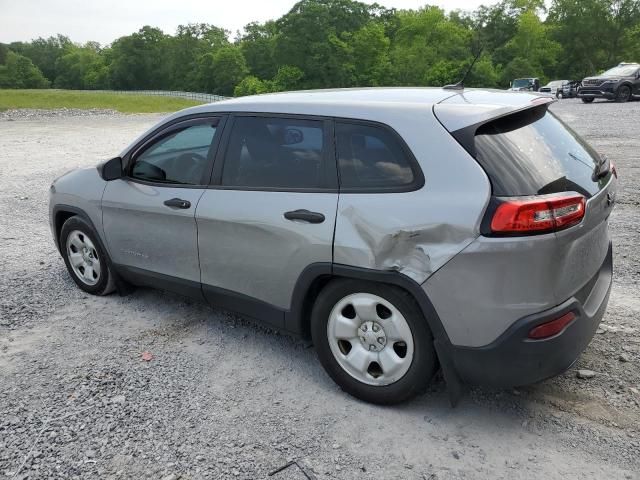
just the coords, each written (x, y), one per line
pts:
(203, 97)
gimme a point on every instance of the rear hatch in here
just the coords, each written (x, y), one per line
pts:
(532, 157)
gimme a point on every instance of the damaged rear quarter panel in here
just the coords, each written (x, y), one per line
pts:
(415, 233)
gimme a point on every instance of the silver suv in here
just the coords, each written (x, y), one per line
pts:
(402, 230)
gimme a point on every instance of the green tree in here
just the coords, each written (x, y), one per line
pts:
(182, 52)
(426, 39)
(288, 78)
(595, 34)
(370, 52)
(251, 85)
(311, 37)
(20, 72)
(531, 50)
(44, 52)
(4, 50)
(74, 67)
(221, 71)
(484, 74)
(138, 61)
(258, 46)
(632, 42)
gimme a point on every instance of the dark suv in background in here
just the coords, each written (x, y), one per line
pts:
(621, 83)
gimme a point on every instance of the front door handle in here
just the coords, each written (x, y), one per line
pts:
(305, 216)
(178, 203)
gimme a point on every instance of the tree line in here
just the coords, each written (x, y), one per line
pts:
(343, 43)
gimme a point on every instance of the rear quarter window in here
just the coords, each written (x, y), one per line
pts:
(372, 157)
(535, 153)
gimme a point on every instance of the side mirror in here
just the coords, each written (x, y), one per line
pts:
(111, 169)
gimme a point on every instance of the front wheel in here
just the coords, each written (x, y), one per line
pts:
(84, 258)
(624, 94)
(587, 99)
(373, 340)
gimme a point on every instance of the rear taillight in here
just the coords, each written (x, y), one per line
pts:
(552, 328)
(538, 214)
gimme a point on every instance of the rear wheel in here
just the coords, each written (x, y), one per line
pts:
(85, 260)
(373, 340)
(587, 99)
(624, 94)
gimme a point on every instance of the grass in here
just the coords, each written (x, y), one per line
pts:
(50, 99)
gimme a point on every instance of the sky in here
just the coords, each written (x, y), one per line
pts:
(105, 20)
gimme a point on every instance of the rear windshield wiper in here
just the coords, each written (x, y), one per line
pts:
(575, 157)
(602, 169)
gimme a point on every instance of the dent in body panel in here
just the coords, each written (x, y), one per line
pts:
(415, 233)
(415, 251)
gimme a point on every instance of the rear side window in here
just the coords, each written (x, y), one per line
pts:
(371, 157)
(534, 153)
(266, 152)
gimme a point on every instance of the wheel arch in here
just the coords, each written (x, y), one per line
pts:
(627, 84)
(62, 213)
(317, 275)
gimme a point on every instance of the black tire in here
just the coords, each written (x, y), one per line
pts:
(106, 282)
(559, 95)
(624, 94)
(423, 365)
(587, 99)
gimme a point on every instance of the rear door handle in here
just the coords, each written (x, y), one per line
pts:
(177, 203)
(304, 215)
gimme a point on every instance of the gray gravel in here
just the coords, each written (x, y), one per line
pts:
(36, 113)
(224, 398)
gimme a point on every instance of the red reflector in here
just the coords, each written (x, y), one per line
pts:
(538, 214)
(552, 328)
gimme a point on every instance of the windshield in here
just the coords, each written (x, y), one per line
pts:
(622, 71)
(521, 82)
(555, 83)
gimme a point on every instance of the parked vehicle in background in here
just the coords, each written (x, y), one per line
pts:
(621, 83)
(525, 84)
(331, 215)
(570, 89)
(555, 88)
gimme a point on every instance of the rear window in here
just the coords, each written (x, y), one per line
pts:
(534, 153)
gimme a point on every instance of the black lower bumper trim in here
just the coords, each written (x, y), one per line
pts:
(514, 359)
(597, 94)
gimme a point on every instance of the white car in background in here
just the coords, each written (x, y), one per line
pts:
(555, 88)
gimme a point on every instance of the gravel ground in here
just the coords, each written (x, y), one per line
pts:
(225, 398)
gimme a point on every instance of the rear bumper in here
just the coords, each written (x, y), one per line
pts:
(513, 359)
